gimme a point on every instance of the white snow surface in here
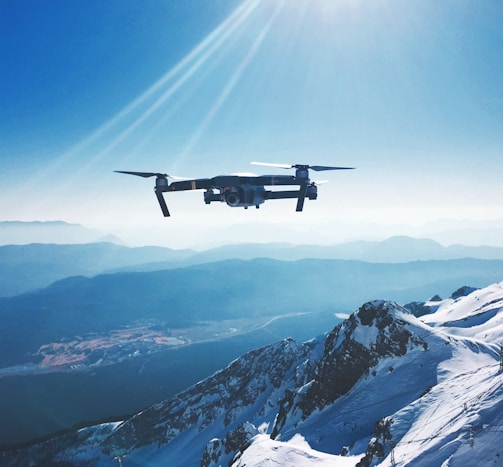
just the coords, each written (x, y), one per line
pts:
(478, 315)
(457, 421)
(266, 452)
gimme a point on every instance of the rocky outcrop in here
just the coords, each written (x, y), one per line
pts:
(224, 451)
(375, 331)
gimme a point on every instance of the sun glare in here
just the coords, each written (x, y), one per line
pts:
(334, 7)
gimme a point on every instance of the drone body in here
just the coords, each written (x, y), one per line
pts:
(242, 190)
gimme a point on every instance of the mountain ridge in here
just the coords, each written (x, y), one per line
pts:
(441, 401)
(36, 265)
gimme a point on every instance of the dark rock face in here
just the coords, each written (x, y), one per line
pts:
(420, 308)
(233, 445)
(221, 399)
(463, 292)
(379, 445)
(351, 349)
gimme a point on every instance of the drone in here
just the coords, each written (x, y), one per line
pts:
(242, 190)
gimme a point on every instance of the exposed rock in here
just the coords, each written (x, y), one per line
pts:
(221, 399)
(376, 330)
(222, 451)
(463, 292)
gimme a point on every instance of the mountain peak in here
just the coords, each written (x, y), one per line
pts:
(376, 330)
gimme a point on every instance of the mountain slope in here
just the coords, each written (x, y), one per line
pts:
(28, 267)
(383, 387)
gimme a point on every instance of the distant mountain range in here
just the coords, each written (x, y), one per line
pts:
(383, 387)
(397, 249)
(33, 266)
(37, 265)
(21, 233)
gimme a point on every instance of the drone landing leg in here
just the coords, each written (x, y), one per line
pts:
(162, 203)
(302, 197)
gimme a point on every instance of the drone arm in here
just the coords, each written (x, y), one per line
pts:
(188, 185)
(282, 194)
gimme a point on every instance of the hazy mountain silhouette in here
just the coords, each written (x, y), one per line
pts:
(28, 267)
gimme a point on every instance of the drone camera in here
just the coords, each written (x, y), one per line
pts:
(232, 197)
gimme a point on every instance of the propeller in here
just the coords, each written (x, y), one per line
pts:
(161, 182)
(150, 174)
(317, 168)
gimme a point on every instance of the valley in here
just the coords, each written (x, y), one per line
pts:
(93, 350)
(132, 374)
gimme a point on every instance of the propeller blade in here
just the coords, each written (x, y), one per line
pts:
(245, 174)
(320, 182)
(142, 174)
(151, 174)
(270, 164)
(319, 168)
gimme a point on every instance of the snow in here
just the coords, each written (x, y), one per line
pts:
(442, 401)
(477, 315)
(445, 403)
(270, 453)
(341, 315)
(436, 427)
(365, 335)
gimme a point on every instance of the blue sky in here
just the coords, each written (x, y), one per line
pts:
(409, 92)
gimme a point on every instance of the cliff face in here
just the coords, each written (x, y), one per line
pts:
(375, 331)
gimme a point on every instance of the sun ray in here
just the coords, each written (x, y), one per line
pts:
(153, 99)
(205, 55)
(231, 84)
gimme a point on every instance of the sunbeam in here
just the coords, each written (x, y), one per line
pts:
(153, 100)
(231, 84)
(200, 54)
(199, 57)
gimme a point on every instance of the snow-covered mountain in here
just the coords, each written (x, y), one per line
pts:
(383, 388)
